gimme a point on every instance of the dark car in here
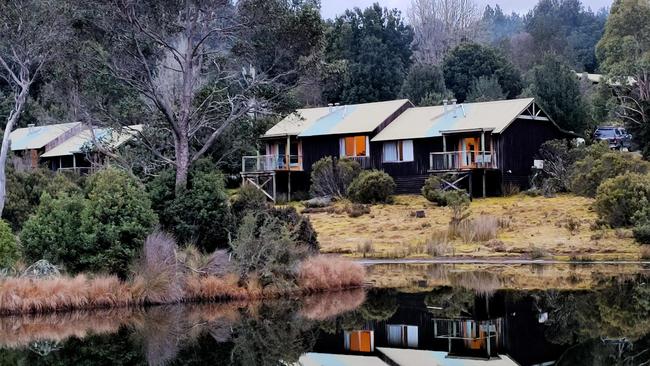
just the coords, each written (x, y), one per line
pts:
(616, 137)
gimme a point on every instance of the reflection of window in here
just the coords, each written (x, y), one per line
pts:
(402, 335)
(352, 146)
(397, 151)
(359, 340)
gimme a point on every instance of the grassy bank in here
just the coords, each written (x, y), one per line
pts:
(561, 227)
(25, 295)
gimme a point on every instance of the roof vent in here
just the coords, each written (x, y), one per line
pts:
(331, 107)
(31, 128)
(445, 102)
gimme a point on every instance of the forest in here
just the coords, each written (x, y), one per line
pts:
(206, 78)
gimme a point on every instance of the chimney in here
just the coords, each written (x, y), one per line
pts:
(453, 101)
(337, 106)
(31, 127)
(445, 102)
(331, 107)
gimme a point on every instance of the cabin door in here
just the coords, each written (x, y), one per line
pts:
(469, 150)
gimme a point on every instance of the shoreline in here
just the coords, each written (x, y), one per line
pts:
(373, 261)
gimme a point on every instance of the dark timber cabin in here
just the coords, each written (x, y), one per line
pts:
(475, 146)
(294, 144)
(479, 146)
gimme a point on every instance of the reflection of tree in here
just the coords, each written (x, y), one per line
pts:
(454, 301)
(596, 352)
(379, 305)
(274, 335)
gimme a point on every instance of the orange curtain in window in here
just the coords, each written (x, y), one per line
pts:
(349, 146)
(360, 142)
(360, 341)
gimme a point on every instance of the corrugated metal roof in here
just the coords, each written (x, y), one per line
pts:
(349, 119)
(415, 357)
(423, 122)
(329, 359)
(38, 136)
(111, 138)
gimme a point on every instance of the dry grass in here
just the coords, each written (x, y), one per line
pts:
(645, 252)
(326, 306)
(481, 282)
(365, 248)
(522, 220)
(438, 244)
(327, 273)
(485, 227)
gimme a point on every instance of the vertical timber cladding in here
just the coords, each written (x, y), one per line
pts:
(518, 145)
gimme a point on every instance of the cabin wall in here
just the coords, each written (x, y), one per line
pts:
(420, 164)
(318, 147)
(518, 145)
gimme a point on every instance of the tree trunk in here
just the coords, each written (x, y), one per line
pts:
(182, 162)
(4, 149)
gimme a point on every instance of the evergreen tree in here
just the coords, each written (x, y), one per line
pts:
(423, 80)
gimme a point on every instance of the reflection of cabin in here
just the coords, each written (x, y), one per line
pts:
(483, 145)
(68, 146)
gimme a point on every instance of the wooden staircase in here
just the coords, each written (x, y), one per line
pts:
(411, 184)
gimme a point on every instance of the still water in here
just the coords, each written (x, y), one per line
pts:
(443, 315)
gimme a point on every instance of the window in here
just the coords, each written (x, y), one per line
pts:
(398, 151)
(354, 146)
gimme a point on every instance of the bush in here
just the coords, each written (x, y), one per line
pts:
(264, 247)
(459, 204)
(642, 233)
(54, 233)
(299, 226)
(9, 252)
(432, 190)
(102, 231)
(371, 186)
(199, 214)
(332, 177)
(596, 167)
(248, 199)
(619, 199)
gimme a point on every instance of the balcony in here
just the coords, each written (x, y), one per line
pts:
(364, 161)
(461, 160)
(269, 163)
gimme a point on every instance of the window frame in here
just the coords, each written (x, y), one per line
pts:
(400, 152)
(355, 139)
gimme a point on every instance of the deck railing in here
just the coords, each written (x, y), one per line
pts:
(267, 163)
(461, 160)
(364, 161)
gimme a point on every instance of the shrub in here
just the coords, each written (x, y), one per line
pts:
(642, 233)
(248, 199)
(432, 190)
(459, 204)
(9, 252)
(536, 252)
(596, 167)
(116, 220)
(299, 226)
(332, 177)
(620, 198)
(357, 210)
(264, 246)
(371, 186)
(55, 233)
(199, 214)
(159, 271)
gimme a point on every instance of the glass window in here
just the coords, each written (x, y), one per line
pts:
(354, 146)
(398, 151)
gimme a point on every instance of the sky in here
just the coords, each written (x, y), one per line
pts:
(331, 8)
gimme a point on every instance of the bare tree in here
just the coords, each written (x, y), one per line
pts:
(31, 34)
(440, 25)
(178, 58)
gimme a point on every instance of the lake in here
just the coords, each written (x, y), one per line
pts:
(425, 314)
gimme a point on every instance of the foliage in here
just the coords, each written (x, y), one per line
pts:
(642, 233)
(599, 164)
(199, 214)
(564, 27)
(299, 226)
(9, 251)
(432, 190)
(458, 202)
(248, 199)
(555, 87)
(371, 186)
(500, 26)
(369, 54)
(624, 53)
(24, 191)
(99, 231)
(332, 177)
(264, 246)
(55, 233)
(559, 157)
(470, 61)
(422, 81)
(620, 198)
(485, 89)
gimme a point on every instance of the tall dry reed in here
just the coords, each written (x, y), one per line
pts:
(327, 273)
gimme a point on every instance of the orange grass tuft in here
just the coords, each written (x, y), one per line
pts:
(326, 306)
(327, 273)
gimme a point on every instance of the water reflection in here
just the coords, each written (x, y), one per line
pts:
(467, 321)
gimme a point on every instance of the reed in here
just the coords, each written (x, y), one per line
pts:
(327, 273)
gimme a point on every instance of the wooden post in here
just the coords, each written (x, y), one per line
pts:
(287, 156)
(74, 162)
(483, 147)
(445, 158)
(470, 184)
(484, 193)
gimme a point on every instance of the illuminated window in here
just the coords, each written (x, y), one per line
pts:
(354, 146)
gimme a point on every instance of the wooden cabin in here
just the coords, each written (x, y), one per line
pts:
(475, 146)
(294, 144)
(478, 146)
(66, 146)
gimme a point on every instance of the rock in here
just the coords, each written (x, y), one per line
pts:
(41, 269)
(420, 214)
(318, 202)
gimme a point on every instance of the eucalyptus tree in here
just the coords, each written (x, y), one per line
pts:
(32, 33)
